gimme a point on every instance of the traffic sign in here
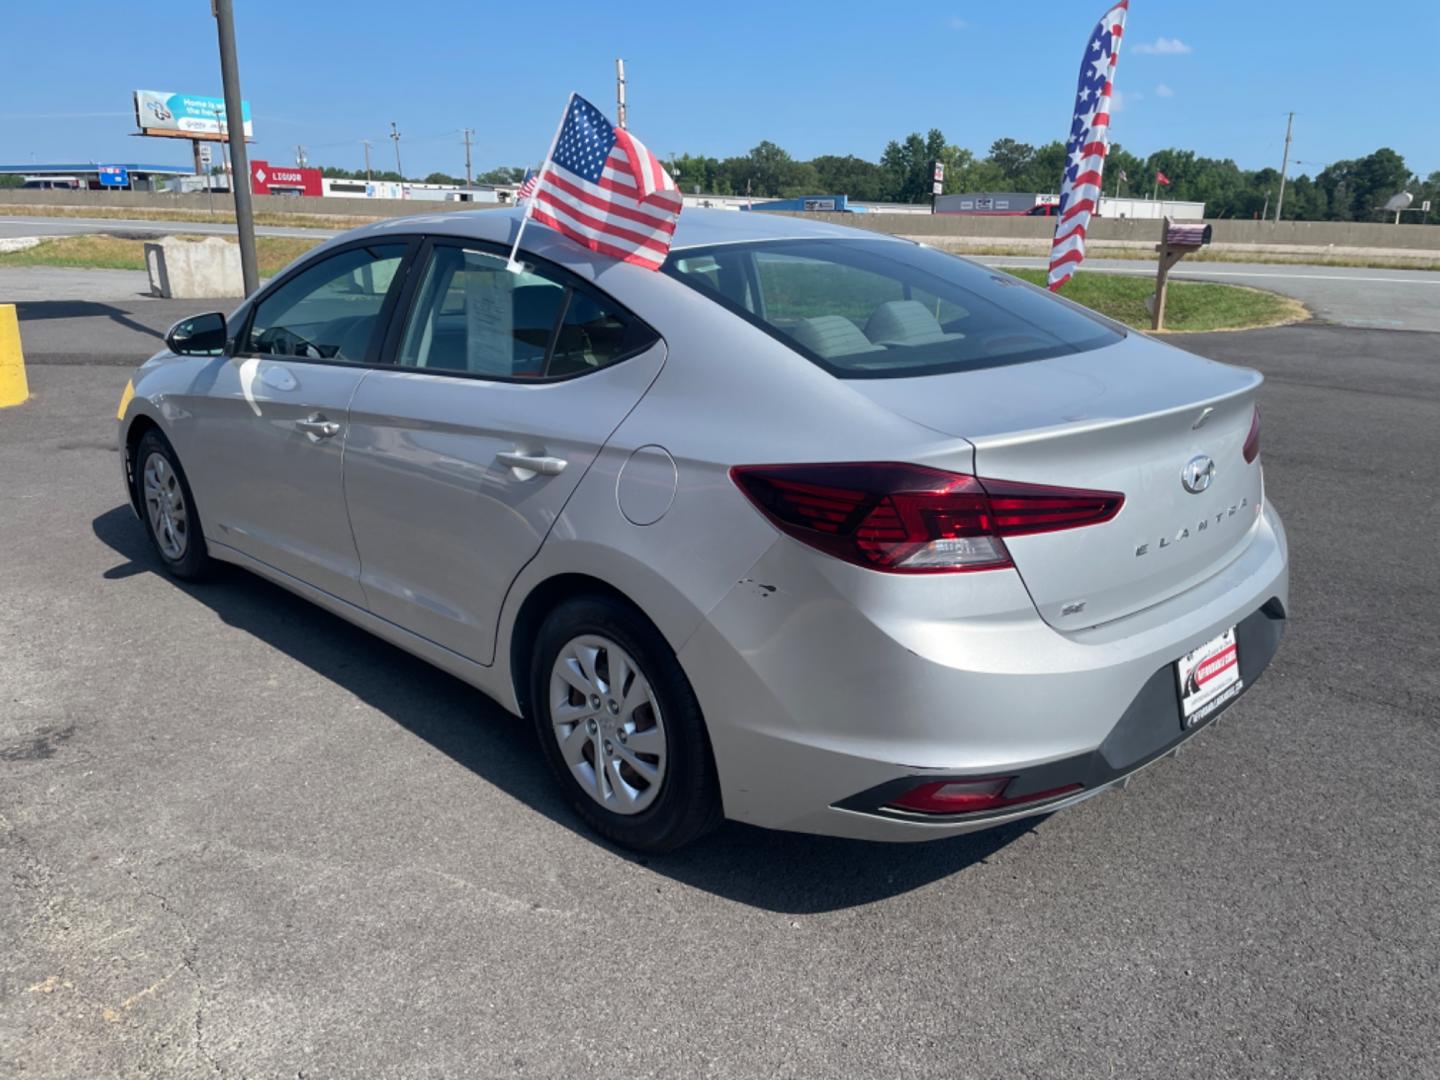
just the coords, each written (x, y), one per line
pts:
(114, 176)
(205, 158)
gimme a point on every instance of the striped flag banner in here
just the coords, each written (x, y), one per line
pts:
(602, 188)
(1087, 146)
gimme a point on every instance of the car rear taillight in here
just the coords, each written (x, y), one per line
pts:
(1252, 441)
(969, 796)
(909, 519)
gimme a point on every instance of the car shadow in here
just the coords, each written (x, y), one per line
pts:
(781, 872)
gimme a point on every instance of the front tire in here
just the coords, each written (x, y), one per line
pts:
(168, 509)
(621, 728)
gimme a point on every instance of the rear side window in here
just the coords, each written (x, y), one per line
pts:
(328, 311)
(473, 315)
(877, 308)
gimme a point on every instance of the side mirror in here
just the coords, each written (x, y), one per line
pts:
(199, 335)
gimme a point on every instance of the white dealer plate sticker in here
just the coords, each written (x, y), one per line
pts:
(1209, 677)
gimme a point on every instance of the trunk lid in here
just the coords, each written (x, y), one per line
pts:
(1128, 418)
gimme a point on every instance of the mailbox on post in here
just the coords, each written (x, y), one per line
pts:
(1177, 239)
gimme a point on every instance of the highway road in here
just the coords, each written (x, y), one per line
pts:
(20, 225)
(1344, 295)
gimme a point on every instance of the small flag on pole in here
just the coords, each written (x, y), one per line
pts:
(1088, 144)
(527, 185)
(602, 188)
(1161, 178)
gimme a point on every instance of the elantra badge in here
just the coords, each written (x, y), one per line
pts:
(1197, 474)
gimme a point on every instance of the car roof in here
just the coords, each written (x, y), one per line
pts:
(697, 227)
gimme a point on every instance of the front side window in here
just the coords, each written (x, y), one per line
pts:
(476, 316)
(877, 308)
(329, 311)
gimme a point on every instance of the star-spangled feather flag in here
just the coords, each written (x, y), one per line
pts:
(602, 188)
(1087, 145)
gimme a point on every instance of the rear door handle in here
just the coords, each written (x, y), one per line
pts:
(318, 426)
(533, 463)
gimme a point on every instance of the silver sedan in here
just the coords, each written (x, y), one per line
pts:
(815, 528)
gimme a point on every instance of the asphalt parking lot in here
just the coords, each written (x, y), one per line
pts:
(241, 838)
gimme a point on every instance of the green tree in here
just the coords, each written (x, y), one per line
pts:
(1012, 158)
(850, 175)
(506, 174)
(910, 163)
(1378, 178)
(1044, 170)
(766, 171)
(695, 172)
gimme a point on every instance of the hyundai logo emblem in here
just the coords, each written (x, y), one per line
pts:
(1197, 474)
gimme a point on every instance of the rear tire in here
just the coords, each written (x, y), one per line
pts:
(167, 508)
(621, 727)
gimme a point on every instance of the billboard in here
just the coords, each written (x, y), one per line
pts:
(185, 116)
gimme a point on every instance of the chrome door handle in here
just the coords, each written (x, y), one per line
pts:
(534, 463)
(317, 426)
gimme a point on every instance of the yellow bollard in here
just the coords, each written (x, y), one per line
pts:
(13, 387)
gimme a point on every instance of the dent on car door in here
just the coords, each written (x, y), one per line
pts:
(270, 420)
(463, 452)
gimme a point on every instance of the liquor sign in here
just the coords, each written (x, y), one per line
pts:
(266, 179)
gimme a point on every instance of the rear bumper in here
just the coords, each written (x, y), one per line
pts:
(826, 695)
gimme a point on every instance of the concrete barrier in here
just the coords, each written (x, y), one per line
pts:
(194, 269)
(1301, 234)
(14, 388)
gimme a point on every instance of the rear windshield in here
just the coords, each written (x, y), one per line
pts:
(888, 309)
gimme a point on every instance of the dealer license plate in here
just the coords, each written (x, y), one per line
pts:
(1209, 677)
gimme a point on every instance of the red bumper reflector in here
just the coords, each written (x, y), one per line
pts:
(970, 796)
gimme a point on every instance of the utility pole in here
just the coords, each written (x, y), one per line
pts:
(235, 128)
(469, 133)
(1284, 167)
(300, 161)
(366, 143)
(395, 137)
(620, 92)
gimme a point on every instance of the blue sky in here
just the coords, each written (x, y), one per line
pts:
(1216, 77)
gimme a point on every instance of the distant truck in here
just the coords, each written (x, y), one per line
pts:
(998, 204)
(1030, 204)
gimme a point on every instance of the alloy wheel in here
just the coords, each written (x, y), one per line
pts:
(607, 721)
(165, 507)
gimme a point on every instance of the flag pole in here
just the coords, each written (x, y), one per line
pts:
(511, 263)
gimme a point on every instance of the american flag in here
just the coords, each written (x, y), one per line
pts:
(1088, 143)
(527, 186)
(602, 188)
